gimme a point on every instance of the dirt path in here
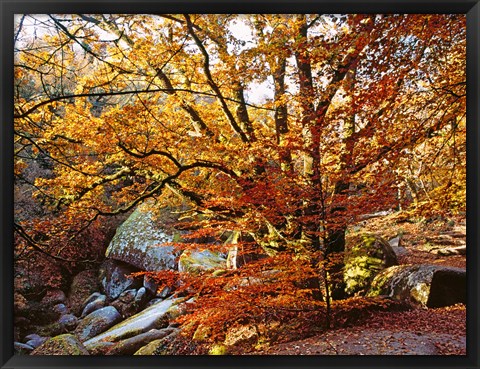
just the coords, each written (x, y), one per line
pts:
(439, 331)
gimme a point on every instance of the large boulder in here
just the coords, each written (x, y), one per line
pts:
(153, 317)
(196, 262)
(366, 255)
(115, 278)
(141, 239)
(426, 285)
(65, 344)
(97, 322)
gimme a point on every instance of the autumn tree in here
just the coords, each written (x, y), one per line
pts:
(282, 128)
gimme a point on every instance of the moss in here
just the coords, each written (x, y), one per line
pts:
(127, 333)
(202, 333)
(161, 346)
(263, 343)
(219, 272)
(65, 344)
(218, 349)
(51, 330)
(151, 348)
(100, 348)
(407, 282)
(420, 292)
(368, 255)
(379, 284)
(177, 237)
(368, 240)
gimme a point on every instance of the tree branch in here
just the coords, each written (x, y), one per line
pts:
(211, 82)
(39, 247)
(119, 93)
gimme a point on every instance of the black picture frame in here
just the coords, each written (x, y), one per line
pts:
(10, 7)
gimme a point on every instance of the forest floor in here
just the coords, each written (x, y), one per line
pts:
(439, 331)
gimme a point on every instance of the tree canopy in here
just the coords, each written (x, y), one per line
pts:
(282, 128)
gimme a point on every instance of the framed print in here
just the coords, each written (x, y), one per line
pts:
(264, 184)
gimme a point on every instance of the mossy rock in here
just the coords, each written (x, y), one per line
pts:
(366, 255)
(178, 308)
(100, 348)
(141, 240)
(65, 344)
(425, 285)
(218, 349)
(162, 347)
(219, 272)
(151, 348)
